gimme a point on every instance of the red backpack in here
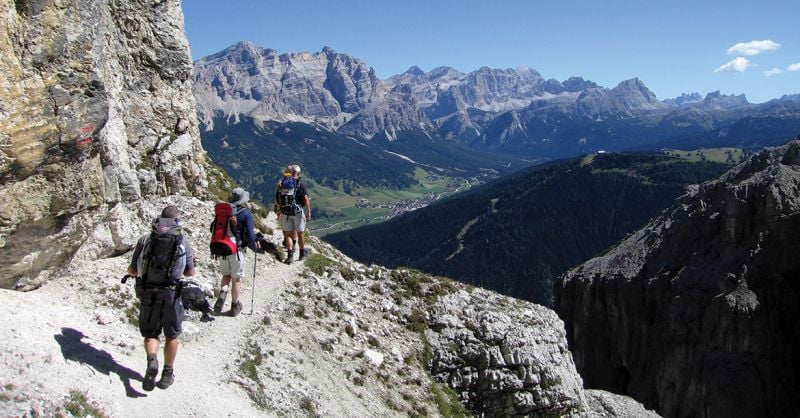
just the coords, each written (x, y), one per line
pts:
(223, 242)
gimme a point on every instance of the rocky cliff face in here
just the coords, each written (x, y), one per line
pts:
(328, 88)
(696, 313)
(96, 111)
(494, 357)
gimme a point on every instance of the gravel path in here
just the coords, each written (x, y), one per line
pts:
(56, 348)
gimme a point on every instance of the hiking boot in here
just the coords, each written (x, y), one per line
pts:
(150, 375)
(206, 317)
(303, 254)
(167, 378)
(223, 294)
(290, 257)
(236, 307)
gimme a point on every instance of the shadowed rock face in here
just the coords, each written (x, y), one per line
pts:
(96, 112)
(696, 313)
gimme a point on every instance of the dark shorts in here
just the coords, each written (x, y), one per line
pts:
(160, 310)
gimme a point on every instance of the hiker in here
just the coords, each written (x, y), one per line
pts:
(232, 266)
(294, 208)
(159, 260)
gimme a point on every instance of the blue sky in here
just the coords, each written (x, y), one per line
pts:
(673, 46)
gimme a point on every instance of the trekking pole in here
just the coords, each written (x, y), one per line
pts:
(253, 291)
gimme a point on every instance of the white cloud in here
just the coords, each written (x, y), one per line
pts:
(753, 47)
(738, 64)
(772, 72)
(794, 67)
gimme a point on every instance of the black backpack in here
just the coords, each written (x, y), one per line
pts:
(162, 252)
(287, 192)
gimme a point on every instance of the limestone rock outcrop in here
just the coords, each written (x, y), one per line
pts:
(696, 313)
(504, 357)
(96, 111)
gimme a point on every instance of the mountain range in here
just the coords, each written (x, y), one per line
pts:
(509, 110)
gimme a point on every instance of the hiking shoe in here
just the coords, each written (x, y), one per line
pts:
(236, 307)
(218, 305)
(206, 317)
(290, 257)
(150, 375)
(167, 379)
(303, 254)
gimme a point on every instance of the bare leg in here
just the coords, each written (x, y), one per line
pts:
(236, 289)
(287, 240)
(301, 239)
(224, 282)
(170, 351)
(151, 345)
(223, 294)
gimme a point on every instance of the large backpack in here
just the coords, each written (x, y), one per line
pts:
(287, 196)
(163, 254)
(223, 241)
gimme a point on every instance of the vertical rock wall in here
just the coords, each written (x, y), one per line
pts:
(96, 113)
(696, 314)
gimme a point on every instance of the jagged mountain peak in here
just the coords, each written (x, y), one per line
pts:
(634, 85)
(791, 97)
(241, 52)
(684, 99)
(443, 70)
(717, 95)
(628, 98)
(414, 70)
(576, 84)
(328, 88)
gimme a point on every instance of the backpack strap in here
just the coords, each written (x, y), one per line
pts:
(147, 251)
(173, 257)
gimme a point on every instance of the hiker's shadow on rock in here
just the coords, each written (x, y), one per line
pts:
(74, 348)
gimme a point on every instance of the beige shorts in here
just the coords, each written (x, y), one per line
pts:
(294, 223)
(232, 265)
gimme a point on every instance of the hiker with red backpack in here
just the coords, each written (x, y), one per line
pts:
(232, 233)
(159, 261)
(293, 208)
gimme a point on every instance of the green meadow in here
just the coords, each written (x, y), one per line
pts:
(336, 210)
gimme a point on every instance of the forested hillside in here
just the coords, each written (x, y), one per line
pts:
(516, 234)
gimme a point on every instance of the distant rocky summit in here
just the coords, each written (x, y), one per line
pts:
(514, 110)
(342, 93)
(328, 88)
(696, 313)
(97, 112)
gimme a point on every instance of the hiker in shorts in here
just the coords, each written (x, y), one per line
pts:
(232, 266)
(293, 222)
(159, 260)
